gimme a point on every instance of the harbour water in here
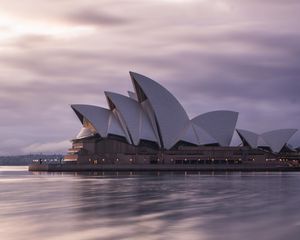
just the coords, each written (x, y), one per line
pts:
(65, 206)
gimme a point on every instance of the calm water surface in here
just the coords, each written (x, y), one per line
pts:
(149, 205)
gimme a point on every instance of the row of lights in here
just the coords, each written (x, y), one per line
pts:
(117, 160)
(280, 159)
(226, 159)
(130, 160)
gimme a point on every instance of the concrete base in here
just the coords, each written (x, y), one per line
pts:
(156, 167)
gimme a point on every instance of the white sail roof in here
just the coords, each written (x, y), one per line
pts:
(219, 124)
(84, 132)
(261, 142)
(132, 95)
(170, 116)
(134, 119)
(204, 138)
(189, 135)
(97, 116)
(115, 128)
(250, 137)
(278, 138)
(102, 119)
(275, 139)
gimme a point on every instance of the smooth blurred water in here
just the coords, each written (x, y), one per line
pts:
(148, 205)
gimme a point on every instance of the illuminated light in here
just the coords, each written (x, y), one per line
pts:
(185, 159)
(130, 160)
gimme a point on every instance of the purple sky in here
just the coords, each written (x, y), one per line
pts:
(237, 55)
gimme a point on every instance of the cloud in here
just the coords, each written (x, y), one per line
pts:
(50, 147)
(96, 18)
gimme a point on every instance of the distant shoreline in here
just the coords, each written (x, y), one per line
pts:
(25, 160)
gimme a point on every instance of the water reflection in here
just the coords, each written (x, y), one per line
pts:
(149, 205)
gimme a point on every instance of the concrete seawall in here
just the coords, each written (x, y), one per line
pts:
(156, 167)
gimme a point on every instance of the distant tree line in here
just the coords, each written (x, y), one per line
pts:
(24, 160)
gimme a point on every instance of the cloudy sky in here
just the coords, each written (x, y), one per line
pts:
(212, 54)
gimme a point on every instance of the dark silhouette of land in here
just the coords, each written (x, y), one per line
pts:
(24, 160)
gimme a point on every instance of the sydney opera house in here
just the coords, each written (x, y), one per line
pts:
(150, 126)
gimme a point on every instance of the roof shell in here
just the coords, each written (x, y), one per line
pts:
(132, 95)
(102, 119)
(84, 132)
(170, 116)
(97, 116)
(250, 137)
(275, 139)
(116, 126)
(135, 120)
(196, 135)
(189, 135)
(219, 124)
(204, 138)
(278, 138)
